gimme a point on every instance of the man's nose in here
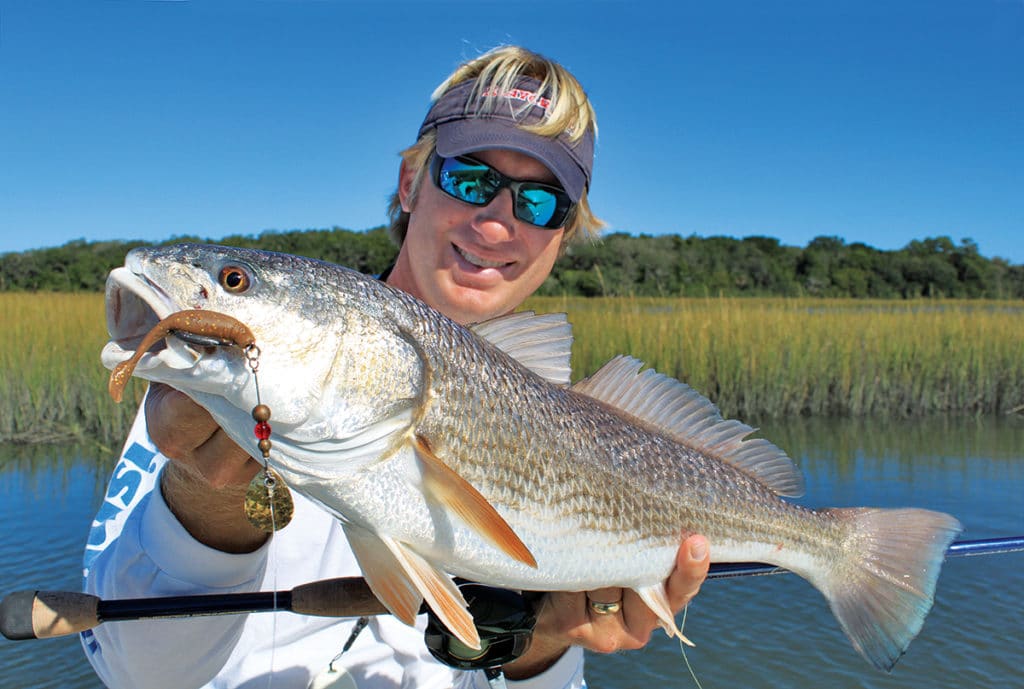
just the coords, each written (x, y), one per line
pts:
(497, 219)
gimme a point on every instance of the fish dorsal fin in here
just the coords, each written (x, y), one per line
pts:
(456, 494)
(542, 343)
(692, 419)
(401, 579)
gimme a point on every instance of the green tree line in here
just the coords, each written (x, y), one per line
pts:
(619, 265)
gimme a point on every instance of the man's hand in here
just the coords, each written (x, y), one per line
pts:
(567, 619)
(204, 484)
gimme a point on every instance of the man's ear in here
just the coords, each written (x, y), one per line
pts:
(406, 178)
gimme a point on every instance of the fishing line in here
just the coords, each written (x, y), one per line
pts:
(261, 414)
(271, 553)
(682, 649)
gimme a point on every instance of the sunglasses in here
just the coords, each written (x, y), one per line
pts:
(476, 183)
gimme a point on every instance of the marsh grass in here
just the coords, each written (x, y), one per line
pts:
(764, 358)
(52, 385)
(756, 358)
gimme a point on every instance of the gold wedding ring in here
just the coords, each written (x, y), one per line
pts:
(605, 608)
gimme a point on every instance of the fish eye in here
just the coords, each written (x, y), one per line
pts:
(234, 279)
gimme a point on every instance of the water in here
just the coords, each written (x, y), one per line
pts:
(777, 631)
(770, 632)
(48, 497)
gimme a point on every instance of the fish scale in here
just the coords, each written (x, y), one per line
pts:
(454, 451)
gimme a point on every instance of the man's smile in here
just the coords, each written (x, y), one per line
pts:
(479, 261)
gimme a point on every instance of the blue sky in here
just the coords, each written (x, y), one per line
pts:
(878, 122)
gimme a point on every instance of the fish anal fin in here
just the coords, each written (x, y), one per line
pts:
(457, 495)
(385, 574)
(656, 598)
(679, 411)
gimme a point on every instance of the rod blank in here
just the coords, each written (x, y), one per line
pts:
(981, 546)
(48, 614)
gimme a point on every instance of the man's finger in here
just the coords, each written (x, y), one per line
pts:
(604, 596)
(223, 463)
(176, 424)
(692, 562)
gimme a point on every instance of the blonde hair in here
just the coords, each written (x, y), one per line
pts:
(571, 114)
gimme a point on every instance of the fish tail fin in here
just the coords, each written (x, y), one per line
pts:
(885, 586)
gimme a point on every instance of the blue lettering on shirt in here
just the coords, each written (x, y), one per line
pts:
(141, 456)
(89, 642)
(137, 463)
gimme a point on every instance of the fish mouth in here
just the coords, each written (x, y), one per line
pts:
(134, 306)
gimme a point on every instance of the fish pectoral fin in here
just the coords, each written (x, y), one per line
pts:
(384, 574)
(456, 494)
(402, 579)
(656, 598)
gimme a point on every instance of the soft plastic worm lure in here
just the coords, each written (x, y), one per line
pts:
(201, 327)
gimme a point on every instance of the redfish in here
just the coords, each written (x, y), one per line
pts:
(451, 451)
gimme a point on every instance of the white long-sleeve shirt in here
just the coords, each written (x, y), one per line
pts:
(137, 548)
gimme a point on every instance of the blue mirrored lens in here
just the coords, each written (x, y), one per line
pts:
(470, 183)
(536, 206)
(476, 183)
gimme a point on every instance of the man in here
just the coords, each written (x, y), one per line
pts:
(494, 187)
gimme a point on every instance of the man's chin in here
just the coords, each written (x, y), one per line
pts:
(470, 304)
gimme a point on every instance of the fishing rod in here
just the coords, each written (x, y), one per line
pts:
(981, 546)
(47, 614)
(504, 619)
